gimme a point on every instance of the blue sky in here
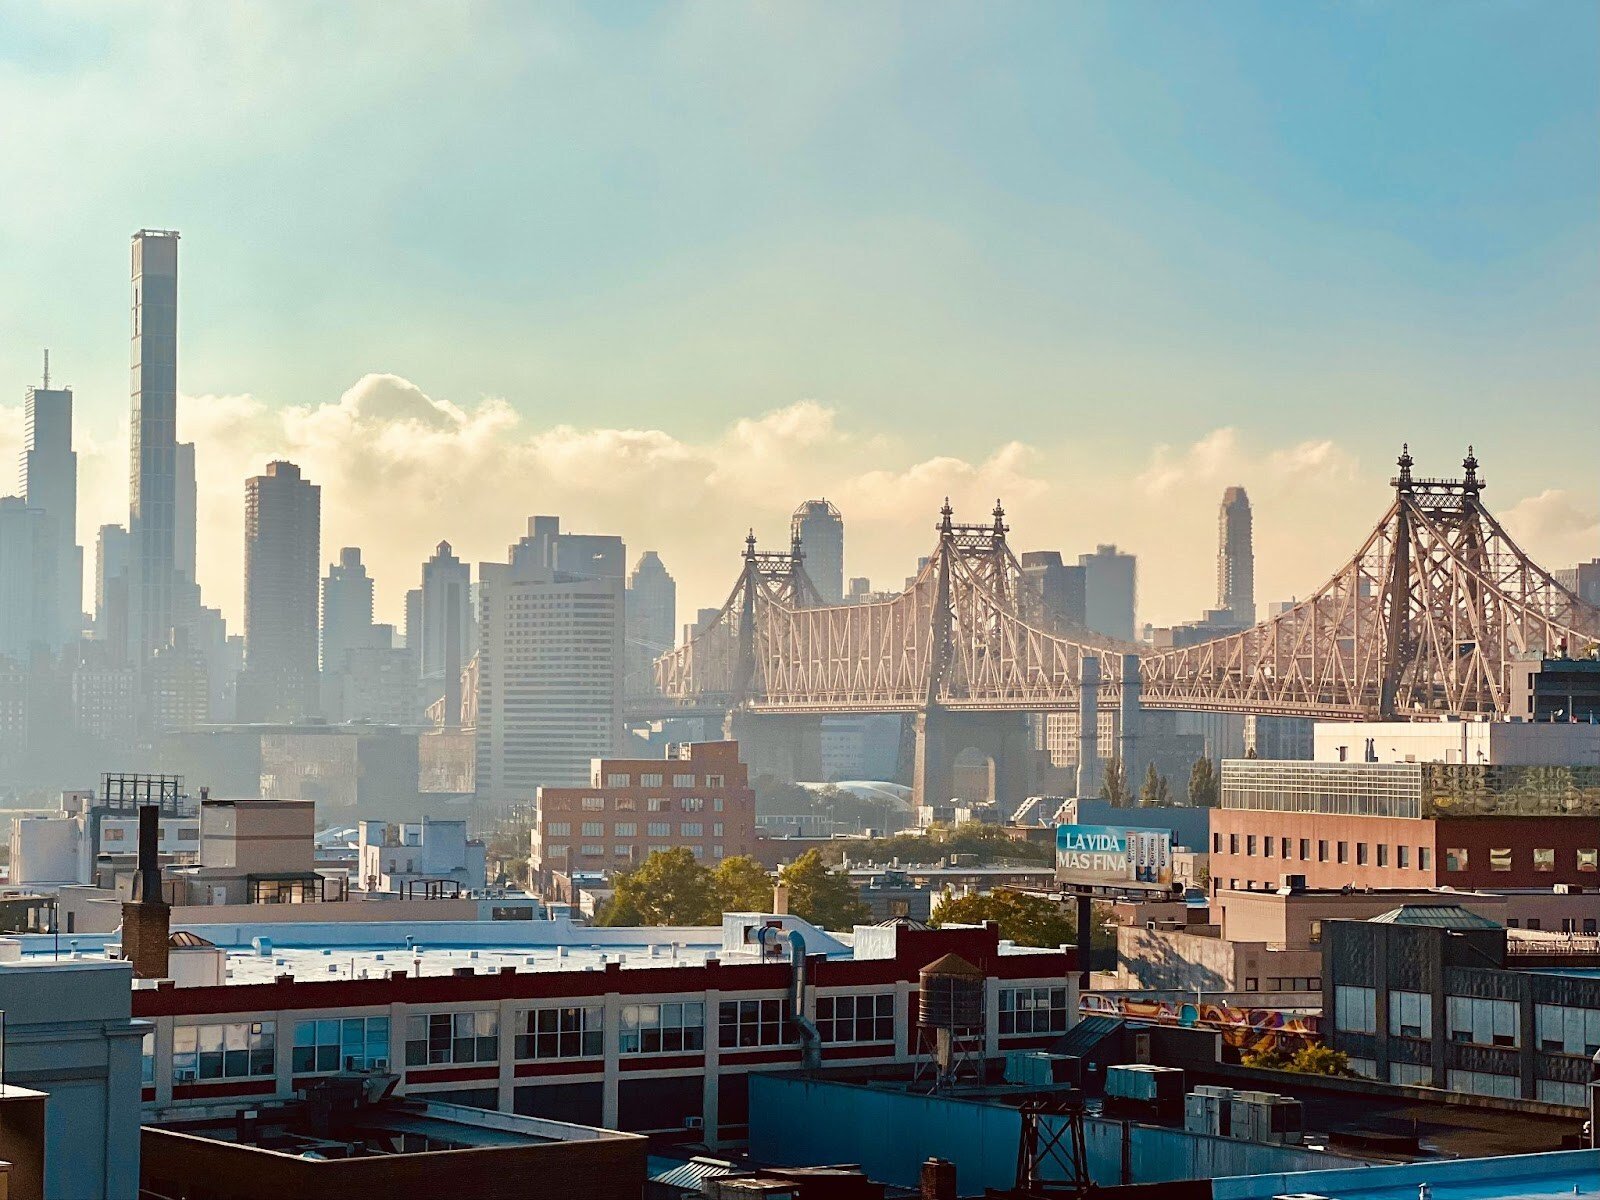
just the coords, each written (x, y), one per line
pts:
(1112, 257)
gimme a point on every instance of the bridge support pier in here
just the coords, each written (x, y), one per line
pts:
(1005, 737)
(786, 747)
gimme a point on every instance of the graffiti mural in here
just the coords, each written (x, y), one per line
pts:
(1257, 1030)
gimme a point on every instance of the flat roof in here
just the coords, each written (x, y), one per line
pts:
(1566, 1174)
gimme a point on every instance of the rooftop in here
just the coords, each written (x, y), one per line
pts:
(1437, 916)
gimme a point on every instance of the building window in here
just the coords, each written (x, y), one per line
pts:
(714, 781)
(1216, 843)
(1544, 860)
(462, 1037)
(693, 829)
(1411, 1014)
(235, 1050)
(348, 1044)
(658, 829)
(1355, 1009)
(856, 1018)
(658, 804)
(1500, 858)
(1233, 843)
(753, 1023)
(1322, 851)
(1484, 1083)
(716, 829)
(1383, 855)
(693, 804)
(1033, 1010)
(1305, 849)
(1455, 858)
(1266, 845)
(1402, 857)
(147, 1059)
(1589, 860)
(594, 804)
(1361, 854)
(1573, 1095)
(1425, 858)
(1250, 845)
(650, 781)
(1344, 852)
(662, 1028)
(556, 851)
(1251, 983)
(716, 804)
(1482, 1022)
(618, 779)
(683, 781)
(562, 1033)
(593, 829)
(591, 850)
(1563, 1030)
(1413, 1074)
(624, 829)
(1314, 932)
(624, 804)
(558, 829)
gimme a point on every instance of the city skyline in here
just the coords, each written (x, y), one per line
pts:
(1035, 317)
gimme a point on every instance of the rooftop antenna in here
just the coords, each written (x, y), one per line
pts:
(47, 368)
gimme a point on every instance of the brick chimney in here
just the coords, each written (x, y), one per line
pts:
(938, 1180)
(147, 918)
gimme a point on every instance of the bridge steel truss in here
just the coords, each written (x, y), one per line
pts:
(1426, 619)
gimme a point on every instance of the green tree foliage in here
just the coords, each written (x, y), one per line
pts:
(1026, 920)
(1311, 1059)
(1114, 783)
(989, 845)
(823, 897)
(742, 885)
(1156, 792)
(668, 888)
(1203, 783)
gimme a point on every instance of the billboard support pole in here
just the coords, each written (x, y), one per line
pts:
(1085, 938)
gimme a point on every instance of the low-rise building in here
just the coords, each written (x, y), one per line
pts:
(698, 797)
(420, 858)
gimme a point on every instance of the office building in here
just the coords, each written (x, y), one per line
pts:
(378, 684)
(1443, 997)
(549, 672)
(447, 629)
(152, 515)
(112, 558)
(698, 797)
(1060, 586)
(1582, 580)
(644, 1030)
(185, 502)
(283, 527)
(652, 611)
(177, 685)
(49, 483)
(1110, 582)
(1555, 690)
(346, 609)
(1236, 559)
(818, 530)
(29, 558)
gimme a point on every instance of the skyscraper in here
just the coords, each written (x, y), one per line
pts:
(1236, 560)
(50, 483)
(183, 512)
(1110, 584)
(28, 600)
(652, 617)
(447, 628)
(1061, 586)
(113, 549)
(153, 433)
(549, 673)
(346, 609)
(819, 529)
(282, 549)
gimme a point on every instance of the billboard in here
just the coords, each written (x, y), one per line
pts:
(1108, 857)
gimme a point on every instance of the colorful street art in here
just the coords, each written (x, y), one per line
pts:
(1257, 1030)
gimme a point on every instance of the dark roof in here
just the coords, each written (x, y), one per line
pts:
(1436, 916)
(952, 965)
(185, 938)
(1087, 1034)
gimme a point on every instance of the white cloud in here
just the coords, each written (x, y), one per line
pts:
(1553, 523)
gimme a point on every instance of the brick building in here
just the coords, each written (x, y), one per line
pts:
(698, 797)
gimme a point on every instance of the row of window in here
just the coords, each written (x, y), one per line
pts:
(1456, 858)
(598, 850)
(650, 779)
(1469, 1019)
(1033, 1010)
(655, 804)
(594, 829)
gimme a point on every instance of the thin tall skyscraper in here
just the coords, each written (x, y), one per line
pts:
(346, 609)
(184, 503)
(50, 483)
(819, 529)
(152, 483)
(282, 549)
(1236, 559)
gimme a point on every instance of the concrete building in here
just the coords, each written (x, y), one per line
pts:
(1583, 580)
(1110, 589)
(525, 1017)
(1236, 559)
(448, 629)
(283, 546)
(1482, 743)
(113, 555)
(152, 515)
(1551, 690)
(346, 609)
(66, 847)
(376, 684)
(1433, 995)
(1062, 587)
(698, 797)
(652, 610)
(347, 770)
(818, 530)
(419, 858)
(49, 483)
(29, 597)
(549, 671)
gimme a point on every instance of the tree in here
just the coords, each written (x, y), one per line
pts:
(668, 888)
(816, 894)
(1156, 792)
(1311, 1059)
(1114, 784)
(1026, 920)
(1203, 783)
(742, 885)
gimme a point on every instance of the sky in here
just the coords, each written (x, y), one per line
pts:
(666, 270)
